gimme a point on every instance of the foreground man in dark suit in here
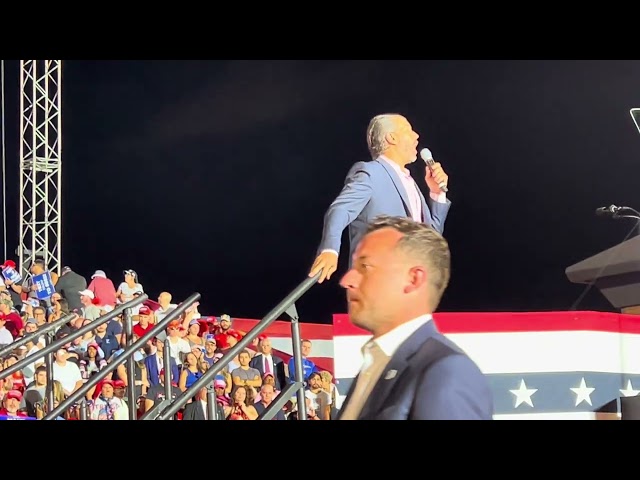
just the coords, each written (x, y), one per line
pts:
(411, 371)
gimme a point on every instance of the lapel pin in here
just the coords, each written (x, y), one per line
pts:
(390, 374)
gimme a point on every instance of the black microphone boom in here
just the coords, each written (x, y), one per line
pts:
(616, 212)
(610, 210)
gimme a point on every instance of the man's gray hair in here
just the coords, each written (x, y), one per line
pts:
(425, 245)
(378, 128)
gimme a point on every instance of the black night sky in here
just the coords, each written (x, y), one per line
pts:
(213, 176)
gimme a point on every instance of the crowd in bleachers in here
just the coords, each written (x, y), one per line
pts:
(243, 390)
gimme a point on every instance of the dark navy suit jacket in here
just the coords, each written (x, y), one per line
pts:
(153, 374)
(429, 378)
(373, 188)
(278, 364)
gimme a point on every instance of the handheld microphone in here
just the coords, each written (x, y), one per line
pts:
(425, 154)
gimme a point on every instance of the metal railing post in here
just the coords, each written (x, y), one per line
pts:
(297, 363)
(83, 409)
(131, 372)
(49, 366)
(212, 403)
(168, 371)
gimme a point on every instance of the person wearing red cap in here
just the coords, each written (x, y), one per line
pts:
(11, 404)
(107, 406)
(5, 288)
(38, 267)
(144, 321)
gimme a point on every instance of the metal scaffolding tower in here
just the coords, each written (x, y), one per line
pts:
(40, 163)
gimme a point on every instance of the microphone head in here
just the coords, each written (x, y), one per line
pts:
(425, 154)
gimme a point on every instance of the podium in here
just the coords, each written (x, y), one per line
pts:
(615, 272)
(622, 408)
(609, 411)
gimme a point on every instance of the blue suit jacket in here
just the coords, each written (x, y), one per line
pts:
(434, 380)
(153, 374)
(373, 188)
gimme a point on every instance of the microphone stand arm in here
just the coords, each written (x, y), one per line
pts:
(635, 215)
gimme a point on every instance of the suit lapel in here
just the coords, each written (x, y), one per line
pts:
(257, 362)
(153, 364)
(348, 396)
(398, 184)
(396, 367)
(425, 207)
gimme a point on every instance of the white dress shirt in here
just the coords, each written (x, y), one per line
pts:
(376, 355)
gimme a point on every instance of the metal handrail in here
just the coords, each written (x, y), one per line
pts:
(120, 359)
(217, 367)
(38, 333)
(53, 346)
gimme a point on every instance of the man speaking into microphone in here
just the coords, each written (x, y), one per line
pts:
(382, 186)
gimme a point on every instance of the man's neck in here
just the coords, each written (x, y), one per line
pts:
(396, 158)
(401, 320)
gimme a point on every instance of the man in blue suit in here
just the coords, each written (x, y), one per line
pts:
(154, 363)
(400, 271)
(382, 186)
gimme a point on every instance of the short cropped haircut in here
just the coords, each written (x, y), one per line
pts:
(422, 243)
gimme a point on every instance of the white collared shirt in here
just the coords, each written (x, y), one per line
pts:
(390, 341)
(376, 355)
(267, 359)
(411, 188)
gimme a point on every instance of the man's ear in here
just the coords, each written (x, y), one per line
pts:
(391, 138)
(416, 279)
